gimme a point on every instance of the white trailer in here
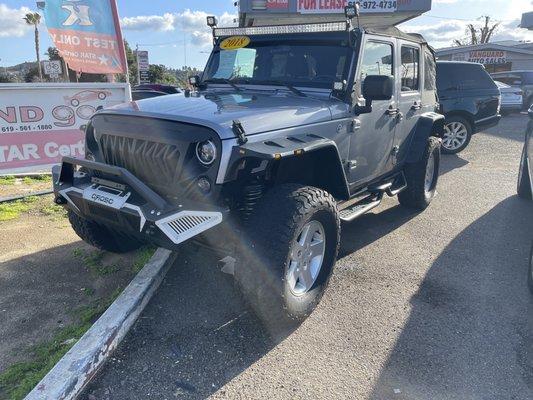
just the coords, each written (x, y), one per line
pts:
(42, 122)
(373, 13)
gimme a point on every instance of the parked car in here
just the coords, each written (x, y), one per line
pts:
(145, 94)
(519, 79)
(511, 98)
(525, 181)
(149, 90)
(470, 101)
(265, 165)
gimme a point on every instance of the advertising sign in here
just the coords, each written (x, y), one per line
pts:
(277, 4)
(52, 68)
(40, 123)
(485, 57)
(143, 64)
(337, 6)
(87, 34)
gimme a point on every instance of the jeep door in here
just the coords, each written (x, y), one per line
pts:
(409, 87)
(372, 140)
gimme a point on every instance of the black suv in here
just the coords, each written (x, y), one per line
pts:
(469, 99)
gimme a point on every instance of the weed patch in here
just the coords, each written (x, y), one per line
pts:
(12, 210)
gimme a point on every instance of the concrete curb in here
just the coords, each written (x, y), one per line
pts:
(75, 370)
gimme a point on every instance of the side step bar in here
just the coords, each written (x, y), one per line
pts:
(373, 198)
(358, 209)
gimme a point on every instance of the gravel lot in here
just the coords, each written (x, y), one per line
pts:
(421, 306)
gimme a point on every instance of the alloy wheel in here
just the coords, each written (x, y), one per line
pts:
(306, 257)
(455, 135)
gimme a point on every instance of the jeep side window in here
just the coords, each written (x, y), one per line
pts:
(410, 68)
(377, 59)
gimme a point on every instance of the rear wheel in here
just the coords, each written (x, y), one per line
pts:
(293, 240)
(101, 237)
(422, 178)
(457, 135)
(524, 180)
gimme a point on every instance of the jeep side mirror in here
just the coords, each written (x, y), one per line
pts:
(375, 87)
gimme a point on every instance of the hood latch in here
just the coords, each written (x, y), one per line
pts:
(238, 130)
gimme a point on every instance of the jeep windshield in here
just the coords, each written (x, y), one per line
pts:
(281, 61)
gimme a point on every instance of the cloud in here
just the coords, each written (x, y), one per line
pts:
(11, 23)
(443, 33)
(192, 22)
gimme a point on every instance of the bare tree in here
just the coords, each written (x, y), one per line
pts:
(478, 34)
(35, 19)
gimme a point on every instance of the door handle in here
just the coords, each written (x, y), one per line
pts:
(392, 111)
(416, 106)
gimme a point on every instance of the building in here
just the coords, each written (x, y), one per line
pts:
(508, 55)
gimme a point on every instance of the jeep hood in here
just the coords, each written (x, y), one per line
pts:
(258, 111)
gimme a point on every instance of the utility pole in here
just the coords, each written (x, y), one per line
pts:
(137, 59)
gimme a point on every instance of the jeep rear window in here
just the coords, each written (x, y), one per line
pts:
(299, 63)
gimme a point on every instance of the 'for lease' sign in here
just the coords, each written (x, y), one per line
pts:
(337, 6)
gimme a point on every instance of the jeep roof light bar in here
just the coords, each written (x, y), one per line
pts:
(281, 29)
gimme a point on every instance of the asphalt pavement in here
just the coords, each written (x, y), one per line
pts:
(420, 306)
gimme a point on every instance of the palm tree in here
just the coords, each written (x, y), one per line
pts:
(35, 19)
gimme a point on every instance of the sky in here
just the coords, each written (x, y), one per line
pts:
(175, 32)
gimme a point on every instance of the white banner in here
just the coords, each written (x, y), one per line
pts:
(40, 123)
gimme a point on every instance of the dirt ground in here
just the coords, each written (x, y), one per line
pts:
(11, 186)
(51, 283)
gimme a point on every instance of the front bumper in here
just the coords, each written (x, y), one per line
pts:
(114, 197)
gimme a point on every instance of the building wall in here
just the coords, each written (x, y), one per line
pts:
(493, 59)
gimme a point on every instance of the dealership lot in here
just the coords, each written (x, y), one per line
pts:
(430, 305)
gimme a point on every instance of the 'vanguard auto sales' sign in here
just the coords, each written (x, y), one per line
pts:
(40, 123)
(482, 56)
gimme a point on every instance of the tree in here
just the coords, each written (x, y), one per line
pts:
(485, 33)
(35, 19)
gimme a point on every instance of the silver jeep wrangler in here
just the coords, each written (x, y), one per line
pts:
(290, 130)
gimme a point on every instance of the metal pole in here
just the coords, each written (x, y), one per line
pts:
(138, 69)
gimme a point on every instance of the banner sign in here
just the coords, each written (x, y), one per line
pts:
(277, 4)
(487, 57)
(40, 123)
(143, 64)
(337, 6)
(87, 34)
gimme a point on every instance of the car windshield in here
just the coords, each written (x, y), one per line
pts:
(301, 63)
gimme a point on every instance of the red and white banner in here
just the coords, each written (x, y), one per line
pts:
(87, 34)
(41, 123)
(277, 4)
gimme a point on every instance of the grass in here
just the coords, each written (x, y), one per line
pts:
(12, 210)
(9, 180)
(143, 256)
(94, 261)
(53, 210)
(20, 378)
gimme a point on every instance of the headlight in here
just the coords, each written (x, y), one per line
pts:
(206, 152)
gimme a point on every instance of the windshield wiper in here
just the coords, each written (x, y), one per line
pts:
(286, 84)
(223, 80)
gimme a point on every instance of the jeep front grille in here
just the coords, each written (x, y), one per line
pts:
(151, 162)
(186, 224)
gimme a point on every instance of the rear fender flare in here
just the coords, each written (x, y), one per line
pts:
(429, 124)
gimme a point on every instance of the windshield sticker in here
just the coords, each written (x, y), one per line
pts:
(235, 42)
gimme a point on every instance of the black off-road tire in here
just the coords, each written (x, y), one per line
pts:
(530, 271)
(469, 129)
(264, 259)
(101, 237)
(415, 195)
(524, 180)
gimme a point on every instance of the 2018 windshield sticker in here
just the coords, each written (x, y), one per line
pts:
(235, 42)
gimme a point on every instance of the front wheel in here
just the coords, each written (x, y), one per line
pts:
(422, 178)
(101, 237)
(457, 135)
(292, 245)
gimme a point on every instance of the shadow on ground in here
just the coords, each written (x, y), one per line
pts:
(470, 332)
